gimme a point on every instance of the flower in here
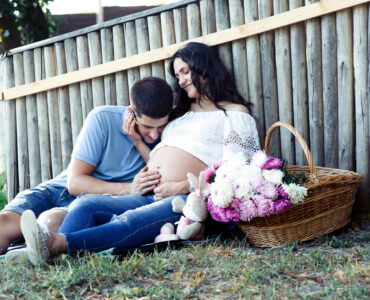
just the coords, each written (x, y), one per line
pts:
(259, 159)
(222, 193)
(272, 163)
(296, 192)
(210, 174)
(274, 176)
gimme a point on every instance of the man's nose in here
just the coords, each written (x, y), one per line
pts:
(154, 133)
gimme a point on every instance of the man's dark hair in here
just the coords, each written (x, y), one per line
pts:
(152, 97)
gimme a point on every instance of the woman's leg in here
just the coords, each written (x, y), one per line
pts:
(132, 228)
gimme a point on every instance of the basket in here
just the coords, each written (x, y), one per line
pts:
(327, 206)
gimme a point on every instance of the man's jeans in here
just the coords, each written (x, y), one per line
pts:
(100, 222)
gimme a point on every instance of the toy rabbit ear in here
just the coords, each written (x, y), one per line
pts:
(202, 181)
(193, 182)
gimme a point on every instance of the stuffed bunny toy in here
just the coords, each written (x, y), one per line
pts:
(194, 210)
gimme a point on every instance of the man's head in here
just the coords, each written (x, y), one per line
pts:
(151, 100)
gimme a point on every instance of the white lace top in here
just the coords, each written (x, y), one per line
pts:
(212, 136)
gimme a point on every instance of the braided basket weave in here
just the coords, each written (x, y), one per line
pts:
(327, 206)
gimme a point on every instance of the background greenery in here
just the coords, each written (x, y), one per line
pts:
(3, 193)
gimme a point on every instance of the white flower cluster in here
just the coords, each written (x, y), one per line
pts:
(296, 192)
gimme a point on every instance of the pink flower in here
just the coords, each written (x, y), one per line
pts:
(248, 210)
(259, 159)
(265, 206)
(272, 163)
(268, 190)
(210, 174)
(217, 164)
(281, 205)
(217, 213)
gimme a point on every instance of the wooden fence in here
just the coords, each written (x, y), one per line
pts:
(304, 62)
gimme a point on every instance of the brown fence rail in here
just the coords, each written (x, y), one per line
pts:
(304, 62)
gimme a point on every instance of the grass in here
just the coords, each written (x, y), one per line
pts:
(3, 195)
(331, 267)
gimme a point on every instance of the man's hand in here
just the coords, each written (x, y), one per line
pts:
(172, 188)
(128, 126)
(144, 181)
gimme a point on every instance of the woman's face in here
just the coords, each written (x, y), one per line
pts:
(183, 74)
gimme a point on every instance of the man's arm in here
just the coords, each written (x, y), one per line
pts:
(80, 181)
(172, 188)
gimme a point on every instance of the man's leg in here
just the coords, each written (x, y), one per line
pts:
(10, 229)
(52, 218)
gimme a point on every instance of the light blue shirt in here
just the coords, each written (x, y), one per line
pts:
(103, 144)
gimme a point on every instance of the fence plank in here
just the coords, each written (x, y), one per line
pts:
(43, 120)
(168, 34)
(121, 77)
(330, 96)
(32, 123)
(284, 82)
(255, 70)
(64, 108)
(141, 26)
(346, 126)
(74, 89)
(155, 42)
(131, 48)
(207, 16)
(315, 92)
(193, 20)
(269, 76)
(181, 24)
(106, 37)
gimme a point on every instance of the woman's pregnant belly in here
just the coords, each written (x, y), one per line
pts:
(173, 164)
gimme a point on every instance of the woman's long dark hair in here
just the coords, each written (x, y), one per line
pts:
(218, 84)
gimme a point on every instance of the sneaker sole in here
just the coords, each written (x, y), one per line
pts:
(17, 256)
(30, 232)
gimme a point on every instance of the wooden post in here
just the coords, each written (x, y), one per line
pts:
(207, 15)
(43, 119)
(315, 92)
(20, 103)
(255, 70)
(168, 34)
(284, 82)
(85, 86)
(346, 126)
(32, 123)
(330, 96)
(11, 134)
(193, 20)
(238, 49)
(64, 108)
(96, 59)
(155, 41)
(121, 77)
(142, 32)
(74, 90)
(299, 83)
(106, 36)
(131, 49)
(269, 76)
(181, 25)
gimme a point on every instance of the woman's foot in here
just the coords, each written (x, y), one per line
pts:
(36, 238)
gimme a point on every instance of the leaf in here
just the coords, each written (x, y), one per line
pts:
(340, 276)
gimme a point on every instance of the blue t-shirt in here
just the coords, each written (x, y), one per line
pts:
(103, 144)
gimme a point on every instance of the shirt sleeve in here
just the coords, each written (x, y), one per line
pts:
(240, 135)
(90, 143)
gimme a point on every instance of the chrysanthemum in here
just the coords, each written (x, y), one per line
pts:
(248, 210)
(259, 159)
(272, 163)
(274, 176)
(268, 190)
(265, 206)
(296, 192)
(222, 193)
(281, 205)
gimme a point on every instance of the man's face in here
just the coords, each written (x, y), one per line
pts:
(150, 129)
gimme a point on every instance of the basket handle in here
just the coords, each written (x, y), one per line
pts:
(301, 140)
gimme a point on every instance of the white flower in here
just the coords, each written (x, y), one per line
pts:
(252, 175)
(275, 176)
(259, 159)
(222, 193)
(296, 192)
(242, 188)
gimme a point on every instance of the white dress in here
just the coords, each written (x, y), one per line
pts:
(212, 136)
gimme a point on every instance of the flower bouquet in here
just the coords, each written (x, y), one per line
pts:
(240, 191)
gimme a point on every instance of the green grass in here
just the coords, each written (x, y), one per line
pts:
(3, 194)
(331, 267)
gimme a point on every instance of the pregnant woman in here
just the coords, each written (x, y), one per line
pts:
(210, 122)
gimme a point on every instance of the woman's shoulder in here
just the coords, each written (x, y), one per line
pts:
(228, 106)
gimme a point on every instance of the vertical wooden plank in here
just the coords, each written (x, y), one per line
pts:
(32, 123)
(361, 63)
(107, 55)
(64, 108)
(168, 34)
(85, 86)
(119, 51)
(346, 126)
(53, 113)
(284, 82)
(95, 58)
(43, 120)
(74, 89)
(155, 41)
(299, 83)
(193, 20)
(141, 26)
(269, 76)
(22, 147)
(2, 117)
(314, 84)
(330, 96)
(131, 48)
(207, 16)
(11, 134)
(255, 70)
(223, 22)
(181, 24)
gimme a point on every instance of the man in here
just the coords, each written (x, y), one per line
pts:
(104, 161)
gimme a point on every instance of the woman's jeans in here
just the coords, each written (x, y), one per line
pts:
(100, 222)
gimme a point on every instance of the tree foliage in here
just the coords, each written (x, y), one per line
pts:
(23, 22)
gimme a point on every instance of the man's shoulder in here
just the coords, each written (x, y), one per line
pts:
(108, 110)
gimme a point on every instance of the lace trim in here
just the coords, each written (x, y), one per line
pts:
(249, 143)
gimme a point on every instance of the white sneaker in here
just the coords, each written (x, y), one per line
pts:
(35, 237)
(17, 256)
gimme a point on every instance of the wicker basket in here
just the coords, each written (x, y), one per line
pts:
(327, 206)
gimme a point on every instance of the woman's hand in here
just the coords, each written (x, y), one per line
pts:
(128, 126)
(172, 188)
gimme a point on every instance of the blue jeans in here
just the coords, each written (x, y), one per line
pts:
(41, 198)
(100, 222)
